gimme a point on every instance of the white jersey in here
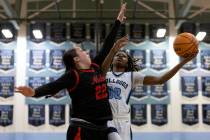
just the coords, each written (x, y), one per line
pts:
(119, 87)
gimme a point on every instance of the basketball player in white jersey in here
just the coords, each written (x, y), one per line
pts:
(122, 78)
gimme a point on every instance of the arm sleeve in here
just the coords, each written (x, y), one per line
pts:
(138, 78)
(108, 43)
(65, 81)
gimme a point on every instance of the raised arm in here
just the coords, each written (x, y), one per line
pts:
(110, 39)
(152, 80)
(117, 46)
(48, 89)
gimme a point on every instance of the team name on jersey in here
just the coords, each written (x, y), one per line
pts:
(98, 79)
(122, 83)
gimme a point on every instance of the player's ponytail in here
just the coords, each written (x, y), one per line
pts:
(68, 59)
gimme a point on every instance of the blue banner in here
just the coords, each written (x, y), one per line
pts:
(36, 115)
(159, 91)
(56, 59)
(189, 86)
(205, 86)
(190, 114)
(6, 59)
(37, 59)
(6, 87)
(159, 114)
(158, 59)
(6, 115)
(139, 114)
(57, 115)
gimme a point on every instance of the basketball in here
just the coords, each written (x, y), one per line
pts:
(185, 44)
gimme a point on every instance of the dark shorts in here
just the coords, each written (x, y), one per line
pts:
(84, 131)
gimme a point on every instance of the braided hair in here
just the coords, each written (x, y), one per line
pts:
(132, 63)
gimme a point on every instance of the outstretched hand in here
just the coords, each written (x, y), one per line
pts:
(26, 91)
(121, 43)
(121, 15)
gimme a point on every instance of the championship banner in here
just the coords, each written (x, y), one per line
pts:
(58, 32)
(61, 93)
(36, 115)
(159, 114)
(35, 82)
(138, 114)
(189, 86)
(6, 115)
(56, 60)
(206, 113)
(140, 91)
(56, 115)
(158, 59)
(159, 91)
(140, 55)
(6, 86)
(100, 29)
(190, 114)
(190, 65)
(37, 26)
(137, 32)
(37, 59)
(6, 60)
(205, 81)
(77, 32)
(205, 59)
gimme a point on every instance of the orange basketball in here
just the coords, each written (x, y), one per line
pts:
(185, 44)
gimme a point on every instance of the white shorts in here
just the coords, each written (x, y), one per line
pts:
(123, 127)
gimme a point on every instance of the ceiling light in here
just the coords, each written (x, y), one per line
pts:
(37, 34)
(7, 33)
(200, 36)
(161, 33)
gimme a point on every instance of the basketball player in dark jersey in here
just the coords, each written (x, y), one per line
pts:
(87, 88)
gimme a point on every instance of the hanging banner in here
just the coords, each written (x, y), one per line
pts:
(6, 115)
(58, 32)
(139, 91)
(140, 55)
(159, 91)
(37, 59)
(137, 32)
(77, 32)
(36, 82)
(190, 114)
(205, 59)
(205, 81)
(6, 86)
(206, 113)
(139, 114)
(56, 60)
(158, 59)
(159, 114)
(36, 115)
(6, 60)
(189, 86)
(57, 115)
(190, 65)
(97, 29)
